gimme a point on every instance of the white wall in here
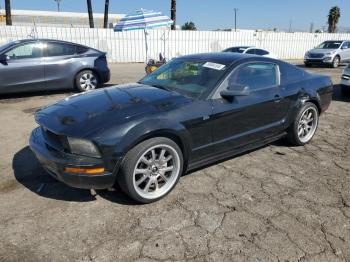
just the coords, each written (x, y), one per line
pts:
(130, 46)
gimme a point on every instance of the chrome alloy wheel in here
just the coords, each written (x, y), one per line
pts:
(88, 81)
(156, 171)
(307, 124)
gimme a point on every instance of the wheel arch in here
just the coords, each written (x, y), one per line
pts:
(176, 136)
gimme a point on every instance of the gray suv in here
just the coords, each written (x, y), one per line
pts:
(329, 52)
(42, 64)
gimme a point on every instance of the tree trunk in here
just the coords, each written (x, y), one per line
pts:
(173, 14)
(8, 12)
(91, 18)
(105, 20)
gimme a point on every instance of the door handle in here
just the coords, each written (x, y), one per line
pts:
(277, 98)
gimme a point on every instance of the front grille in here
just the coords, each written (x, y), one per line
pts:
(316, 55)
(54, 141)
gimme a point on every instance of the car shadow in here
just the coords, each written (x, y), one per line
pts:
(29, 173)
(338, 95)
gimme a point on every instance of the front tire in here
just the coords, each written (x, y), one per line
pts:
(336, 62)
(86, 80)
(304, 126)
(151, 169)
(308, 64)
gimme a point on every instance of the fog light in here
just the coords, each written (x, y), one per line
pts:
(90, 171)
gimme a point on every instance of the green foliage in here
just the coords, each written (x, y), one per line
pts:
(333, 19)
(189, 26)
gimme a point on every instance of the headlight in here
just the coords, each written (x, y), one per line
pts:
(330, 53)
(83, 147)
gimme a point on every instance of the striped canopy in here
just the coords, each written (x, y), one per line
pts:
(143, 19)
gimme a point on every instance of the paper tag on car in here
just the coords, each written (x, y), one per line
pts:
(214, 66)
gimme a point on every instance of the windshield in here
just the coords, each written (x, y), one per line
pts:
(330, 45)
(5, 46)
(194, 79)
(236, 49)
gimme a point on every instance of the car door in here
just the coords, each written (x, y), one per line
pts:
(249, 118)
(59, 64)
(345, 55)
(24, 68)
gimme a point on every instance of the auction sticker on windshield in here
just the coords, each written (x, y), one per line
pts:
(214, 66)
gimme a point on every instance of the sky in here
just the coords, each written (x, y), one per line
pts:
(214, 14)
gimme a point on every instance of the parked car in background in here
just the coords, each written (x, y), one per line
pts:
(251, 50)
(330, 53)
(345, 81)
(42, 64)
(192, 111)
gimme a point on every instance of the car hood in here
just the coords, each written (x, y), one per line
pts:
(321, 51)
(82, 114)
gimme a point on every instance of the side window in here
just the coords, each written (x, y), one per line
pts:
(256, 76)
(251, 51)
(59, 49)
(30, 50)
(261, 52)
(81, 49)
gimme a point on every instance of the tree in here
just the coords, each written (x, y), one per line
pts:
(333, 19)
(173, 14)
(91, 18)
(8, 12)
(105, 19)
(189, 26)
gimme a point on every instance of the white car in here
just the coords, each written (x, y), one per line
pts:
(252, 50)
(345, 81)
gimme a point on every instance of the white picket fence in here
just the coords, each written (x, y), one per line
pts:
(130, 46)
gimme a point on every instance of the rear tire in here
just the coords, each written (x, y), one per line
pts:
(87, 80)
(151, 169)
(304, 126)
(345, 90)
(336, 62)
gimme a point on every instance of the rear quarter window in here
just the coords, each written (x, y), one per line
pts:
(291, 74)
(81, 49)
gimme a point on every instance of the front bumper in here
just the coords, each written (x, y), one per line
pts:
(55, 162)
(324, 60)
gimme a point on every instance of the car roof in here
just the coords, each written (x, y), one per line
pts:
(44, 39)
(221, 57)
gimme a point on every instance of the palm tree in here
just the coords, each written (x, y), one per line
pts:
(8, 12)
(173, 14)
(105, 19)
(91, 18)
(333, 19)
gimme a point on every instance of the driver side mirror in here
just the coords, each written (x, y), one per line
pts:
(344, 47)
(4, 58)
(235, 90)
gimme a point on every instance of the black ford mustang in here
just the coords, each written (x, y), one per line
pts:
(192, 111)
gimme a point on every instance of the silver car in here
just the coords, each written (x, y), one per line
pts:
(345, 81)
(329, 52)
(42, 64)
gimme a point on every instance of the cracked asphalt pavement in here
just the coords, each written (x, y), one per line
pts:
(277, 203)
